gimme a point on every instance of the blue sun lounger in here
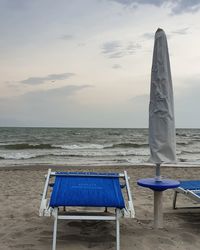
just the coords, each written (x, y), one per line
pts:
(86, 189)
(190, 188)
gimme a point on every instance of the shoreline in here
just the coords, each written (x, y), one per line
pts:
(83, 166)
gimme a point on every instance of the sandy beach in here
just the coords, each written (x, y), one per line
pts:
(22, 228)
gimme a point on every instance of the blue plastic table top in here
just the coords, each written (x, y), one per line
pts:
(162, 185)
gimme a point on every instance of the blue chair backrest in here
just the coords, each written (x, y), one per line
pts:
(87, 189)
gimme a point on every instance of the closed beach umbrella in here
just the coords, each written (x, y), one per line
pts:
(162, 139)
(162, 136)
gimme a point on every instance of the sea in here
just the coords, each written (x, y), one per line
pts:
(88, 146)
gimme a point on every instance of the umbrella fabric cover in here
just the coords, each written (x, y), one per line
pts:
(162, 140)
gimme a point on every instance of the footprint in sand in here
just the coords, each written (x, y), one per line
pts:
(45, 233)
(32, 229)
(188, 237)
(24, 246)
(159, 240)
(17, 235)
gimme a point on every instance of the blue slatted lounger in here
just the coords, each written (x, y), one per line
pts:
(190, 188)
(80, 189)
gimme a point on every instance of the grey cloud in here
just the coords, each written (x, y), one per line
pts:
(118, 54)
(185, 6)
(111, 47)
(176, 7)
(116, 49)
(81, 44)
(183, 31)
(148, 36)
(67, 37)
(116, 66)
(132, 2)
(52, 77)
(133, 47)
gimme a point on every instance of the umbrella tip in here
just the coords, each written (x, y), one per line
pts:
(159, 30)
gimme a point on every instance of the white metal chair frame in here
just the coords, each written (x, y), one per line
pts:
(46, 210)
(189, 193)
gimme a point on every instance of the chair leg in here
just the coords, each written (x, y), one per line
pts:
(174, 200)
(55, 229)
(117, 230)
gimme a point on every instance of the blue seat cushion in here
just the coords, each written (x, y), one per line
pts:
(87, 189)
(190, 185)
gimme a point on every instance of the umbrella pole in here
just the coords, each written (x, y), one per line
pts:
(158, 176)
(158, 204)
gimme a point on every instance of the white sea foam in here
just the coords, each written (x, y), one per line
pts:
(17, 156)
(80, 146)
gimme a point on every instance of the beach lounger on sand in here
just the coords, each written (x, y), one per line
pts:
(86, 189)
(190, 188)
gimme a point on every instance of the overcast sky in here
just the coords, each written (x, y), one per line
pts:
(87, 63)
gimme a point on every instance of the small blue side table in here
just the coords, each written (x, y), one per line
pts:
(158, 186)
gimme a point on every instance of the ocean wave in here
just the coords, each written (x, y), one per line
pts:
(24, 146)
(21, 146)
(17, 157)
(178, 152)
(181, 134)
(127, 145)
(114, 133)
(23, 156)
(182, 160)
(185, 143)
(142, 153)
(70, 154)
(190, 152)
(83, 146)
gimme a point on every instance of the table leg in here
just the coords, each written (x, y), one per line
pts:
(158, 209)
